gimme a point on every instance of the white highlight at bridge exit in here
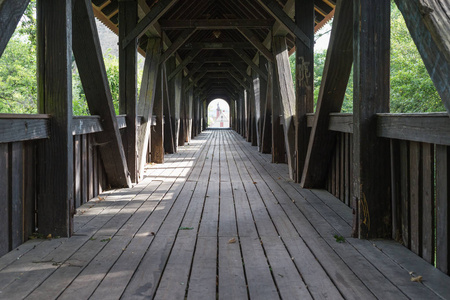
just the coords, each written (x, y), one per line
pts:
(218, 114)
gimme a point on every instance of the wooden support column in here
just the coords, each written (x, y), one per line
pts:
(174, 89)
(256, 109)
(278, 150)
(189, 113)
(335, 78)
(54, 75)
(182, 121)
(286, 89)
(371, 160)
(266, 109)
(428, 23)
(304, 87)
(10, 13)
(149, 86)
(89, 58)
(128, 18)
(157, 134)
(169, 146)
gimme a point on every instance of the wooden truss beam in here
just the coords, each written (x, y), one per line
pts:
(277, 12)
(217, 46)
(429, 24)
(249, 62)
(215, 24)
(187, 60)
(89, 58)
(10, 13)
(149, 86)
(286, 89)
(254, 40)
(182, 38)
(335, 77)
(159, 9)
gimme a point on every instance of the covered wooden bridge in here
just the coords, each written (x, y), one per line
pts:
(292, 202)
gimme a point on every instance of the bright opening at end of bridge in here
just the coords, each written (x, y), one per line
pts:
(218, 114)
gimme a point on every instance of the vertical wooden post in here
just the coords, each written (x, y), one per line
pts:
(169, 146)
(266, 109)
(283, 79)
(278, 151)
(174, 95)
(256, 104)
(371, 161)
(150, 77)
(127, 82)
(304, 74)
(54, 35)
(157, 135)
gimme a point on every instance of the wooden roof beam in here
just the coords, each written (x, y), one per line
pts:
(254, 40)
(277, 12)
(191, 55)
(151, 18)
(184, 36)
(216, 46)
(212, 24)
(249, 62)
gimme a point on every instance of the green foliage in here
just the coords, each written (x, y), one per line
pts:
(411, 87)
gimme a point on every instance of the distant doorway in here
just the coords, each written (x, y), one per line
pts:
(218, 114)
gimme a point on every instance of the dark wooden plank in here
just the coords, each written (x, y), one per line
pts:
(98, 94)
(150, 93)
(304, 86)
(341, 122)
(77, 170)
(96, 170)
(149, 20)
(283, 78)
(86, 125)
(174, 90)
(428, 24)
(347, 166)
(17, 195)
(84, 168)
(430, 128)
(331, 96)
(128, 18)
(169, 146)
(15, 130)
(29, 190)
(54, 75)
(395, 191)
(442, 209)
(5, 225)
(90, 167)
(427, 185)
(414, 197)
(157, 133)
(371, 70)
(404, 192)
(10, 13)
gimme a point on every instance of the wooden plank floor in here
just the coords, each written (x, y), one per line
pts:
(217, 220)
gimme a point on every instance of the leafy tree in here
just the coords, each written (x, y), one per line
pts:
(411, 87)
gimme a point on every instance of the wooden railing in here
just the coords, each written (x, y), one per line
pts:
(20, 136)
(420, 178)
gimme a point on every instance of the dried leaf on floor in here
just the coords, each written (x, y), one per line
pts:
(232, 241)
(417, 279)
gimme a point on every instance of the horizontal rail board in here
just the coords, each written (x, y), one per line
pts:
(23, 128)
(86, 125)
(341, 122)
(433, 128)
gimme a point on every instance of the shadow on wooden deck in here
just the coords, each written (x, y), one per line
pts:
(217, 220)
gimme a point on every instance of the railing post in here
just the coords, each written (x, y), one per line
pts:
(127, 83)
(54, 73)
(371, 160)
